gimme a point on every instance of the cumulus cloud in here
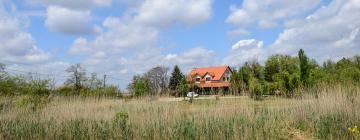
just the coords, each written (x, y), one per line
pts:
(17, 45)
(195, 57)
(245, 50)
(20, 52)
(130, 44)
(67, 21)
(330, 32)
(73, 4)
(268, 13)
(124, 35)
(162, 13)
(238, 32)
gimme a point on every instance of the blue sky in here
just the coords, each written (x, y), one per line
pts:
(127, 37)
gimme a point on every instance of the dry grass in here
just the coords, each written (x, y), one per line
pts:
(325, 116)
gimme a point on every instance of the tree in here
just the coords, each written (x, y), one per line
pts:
(139, 85)
(3, 74)
(304, 67)
(175, 79)
(279, 63)
(183, 88)
(158, 78)
(77, 78)
(236, 81)
(356, 60)
(94, 81)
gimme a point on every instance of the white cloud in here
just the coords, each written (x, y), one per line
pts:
(120, 36)
(131, 42)
(268, 13)
(331, 32)
(67, 21)
(247, 43)
(162, 13)
(195, 57)
(16, 44)
(245, 50)
(238, 32)
(170, 57)
(20, 52)
(74, 4)
(79, 47)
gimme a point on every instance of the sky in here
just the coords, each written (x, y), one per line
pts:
(122, 38)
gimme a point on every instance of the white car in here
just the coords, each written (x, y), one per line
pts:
(189, 94)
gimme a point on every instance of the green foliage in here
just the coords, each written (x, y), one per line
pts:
(332, 126)
(78, 77)
(183, 88)
(139, 86)
(304, 67)
(175, 79)
(287, 75)
(280, 63)
(108, 91)
(121, 124)
(33, 103)
(257, 88)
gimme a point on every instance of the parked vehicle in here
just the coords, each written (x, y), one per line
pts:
(193, 94)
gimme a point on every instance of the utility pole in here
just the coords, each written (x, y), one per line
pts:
(104, 80)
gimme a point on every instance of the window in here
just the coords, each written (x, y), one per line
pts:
(208, 78)
(227, 79)
(197, 79)
(224, 79)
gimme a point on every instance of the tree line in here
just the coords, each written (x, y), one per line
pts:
(283, 75)
(289, 75)
(77, 83)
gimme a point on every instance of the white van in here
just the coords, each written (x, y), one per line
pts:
(189, 94)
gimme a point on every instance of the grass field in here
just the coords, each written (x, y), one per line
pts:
(325, 114)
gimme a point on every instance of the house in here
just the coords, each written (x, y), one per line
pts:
(210, 79)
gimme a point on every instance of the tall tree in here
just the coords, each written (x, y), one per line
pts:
(175, 78)
(139, 86)
(2, 72)
(158, 78)
(183, 88)
(304, 67)
(77, 78)
(94, 81)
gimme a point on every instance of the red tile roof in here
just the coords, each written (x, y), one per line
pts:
(216, 72)
(221, 84)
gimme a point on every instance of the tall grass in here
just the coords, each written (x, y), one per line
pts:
(324, 113)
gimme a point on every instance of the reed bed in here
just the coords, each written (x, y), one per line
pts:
(325, 113)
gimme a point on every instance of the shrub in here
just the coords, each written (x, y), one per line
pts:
(332, 126)
(121, 123)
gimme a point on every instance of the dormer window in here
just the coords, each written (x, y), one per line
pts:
(208, 78)
(197, 79)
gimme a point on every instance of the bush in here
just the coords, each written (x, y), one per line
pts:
(332, 126)
(121, 123)
(30, 102)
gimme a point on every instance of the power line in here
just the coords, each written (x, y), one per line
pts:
(119, 79)
(26, 72)
(57, 76)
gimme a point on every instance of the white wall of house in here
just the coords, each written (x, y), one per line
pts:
(208, 76)
(226, 76)
(196, 77)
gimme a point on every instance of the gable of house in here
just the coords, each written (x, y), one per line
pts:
(216, 73)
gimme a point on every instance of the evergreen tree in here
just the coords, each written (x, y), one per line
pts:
(175, 78)
(183, 88)
(304, 67)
